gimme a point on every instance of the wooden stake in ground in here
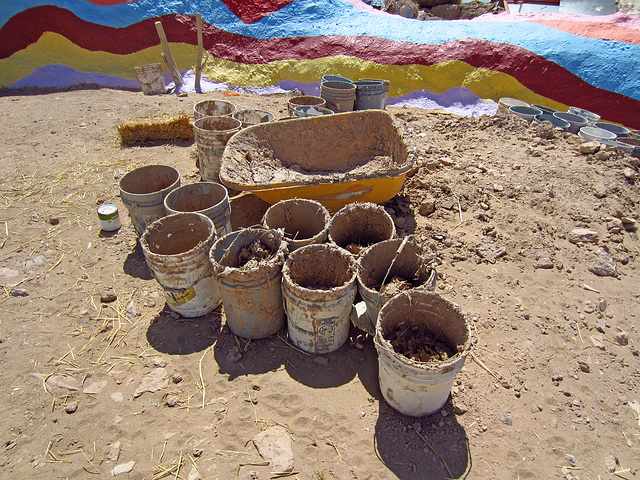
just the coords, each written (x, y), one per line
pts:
(167, 57)
(199, 59)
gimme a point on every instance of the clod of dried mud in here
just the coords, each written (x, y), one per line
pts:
(419, 343)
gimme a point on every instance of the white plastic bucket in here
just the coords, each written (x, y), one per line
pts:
(304, 100)
(340, 96)
(251, 295)
(208, 198)
(143, 190)
(420, 388)
(318, 288)
(212, 135)
(303, 221)
(382, 262)
(151, 79)
(213, 108)
(176, 248)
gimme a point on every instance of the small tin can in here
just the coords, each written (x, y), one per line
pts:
(109, 217)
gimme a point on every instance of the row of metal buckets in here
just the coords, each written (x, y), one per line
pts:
(305, 283)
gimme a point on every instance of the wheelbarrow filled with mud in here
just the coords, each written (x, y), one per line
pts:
(334, 159)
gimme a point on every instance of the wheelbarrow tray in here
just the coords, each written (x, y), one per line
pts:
(334, 159)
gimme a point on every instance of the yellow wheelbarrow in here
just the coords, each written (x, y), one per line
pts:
(334, 159)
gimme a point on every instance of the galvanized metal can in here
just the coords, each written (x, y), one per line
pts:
(109, 217)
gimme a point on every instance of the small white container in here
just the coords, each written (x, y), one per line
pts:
(109, 217)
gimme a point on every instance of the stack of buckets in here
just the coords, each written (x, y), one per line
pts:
(344, 95)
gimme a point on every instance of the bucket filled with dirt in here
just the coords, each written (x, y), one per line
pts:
(318, 287)
(208, 198)
(176, 248)
(389, 268)
(360, 225)
(143, 191)
(248, 267)
(212, 135)
(304, 221)
(422, 341)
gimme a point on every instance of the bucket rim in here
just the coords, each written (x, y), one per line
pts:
(139, 170)
(326, 216)
(193, 251)
(193, 186)
(275, 262)
(213, 100)
(309, 249)
(204, 131)
(365, 206)
(384, 346)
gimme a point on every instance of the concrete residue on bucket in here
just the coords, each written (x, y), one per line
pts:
(212, 134)
(303, 221)
(422, 341)
(318, 287)
(176, 248)
(213, 108)
(248, 267)
(359, 225)
(143, 191)
(391, 267)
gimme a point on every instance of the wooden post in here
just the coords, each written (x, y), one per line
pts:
(199, 64)
(173, 68)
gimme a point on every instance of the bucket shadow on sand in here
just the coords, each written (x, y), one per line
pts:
(135, 264)
(184, 335)
(407, 451)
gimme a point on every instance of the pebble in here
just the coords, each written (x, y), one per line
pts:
(275, 445)
(589, 307)
(584, 367)
(597, 341)
(557, 378)
(589, 147)
(604, 266)
(176, 377)
(448, 204)
(573, 461)
(497, 187)
(123, 468)
(427, 207)
(71, 407)
(197, 452)
(172, 401)
(54, 220)
(611, 463)
(622, 338)
(491, 251)
(544, 263)
(153, 381)
(114, 451)
(506, 418)
(321, 360)
(583, 235)
(35, 261)
(234, 355)
(108, 297)
(19, 292)
(601, 326)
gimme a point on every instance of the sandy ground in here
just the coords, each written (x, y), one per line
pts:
(551, 390)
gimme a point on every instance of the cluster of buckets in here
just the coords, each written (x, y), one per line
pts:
(575, 120)
(302, 268)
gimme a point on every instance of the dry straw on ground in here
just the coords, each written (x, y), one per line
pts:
(165, 128)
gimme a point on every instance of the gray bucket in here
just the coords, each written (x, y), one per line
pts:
(251, 293)
(303, 221)
(359, 225)
(151, 78)
(318, 288)
(413, 387)
(248, 117)
(213, 108)
(385, 86)
(304, 100)
(212, 135)
(555, 121)
(143, 191)
(576, 122)
(398, 262)
(369, 95)
(340, 96)
(208, 198)
(176, 248)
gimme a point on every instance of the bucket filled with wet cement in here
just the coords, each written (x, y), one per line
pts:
(391, 267)
(318, 288)
(208, 198)
(176, 248)
(303, 221)
(248, 267)
(143, 191)
(359, 225)
(422, 341)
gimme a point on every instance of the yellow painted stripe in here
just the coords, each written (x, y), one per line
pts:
(53, 48)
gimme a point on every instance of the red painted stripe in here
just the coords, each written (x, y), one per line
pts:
(538, 74)
(596, 30)
(250, 11)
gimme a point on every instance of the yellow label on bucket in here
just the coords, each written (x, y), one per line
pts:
(179, 297)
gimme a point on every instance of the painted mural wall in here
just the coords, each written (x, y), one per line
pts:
(550, 59)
